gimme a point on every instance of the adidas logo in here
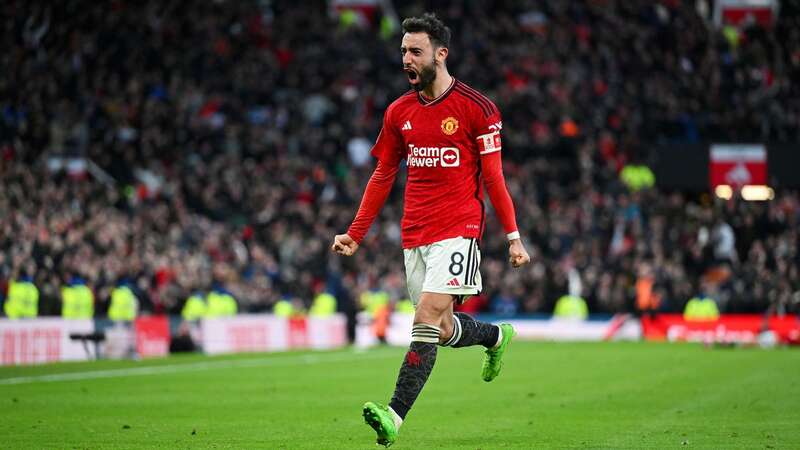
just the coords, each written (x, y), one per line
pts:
(453, 282)
(407, 125)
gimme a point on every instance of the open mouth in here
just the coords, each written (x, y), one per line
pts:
(412, 75)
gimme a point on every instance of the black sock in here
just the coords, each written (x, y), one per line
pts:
(416, 368)
(468, 331)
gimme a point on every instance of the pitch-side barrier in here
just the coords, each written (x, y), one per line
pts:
(44, 340)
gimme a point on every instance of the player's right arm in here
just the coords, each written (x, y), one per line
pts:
(387, 149)
(378, 188)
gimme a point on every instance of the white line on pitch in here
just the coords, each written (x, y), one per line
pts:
(210, 365)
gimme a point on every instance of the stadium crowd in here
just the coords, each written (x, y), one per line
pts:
(227, 142)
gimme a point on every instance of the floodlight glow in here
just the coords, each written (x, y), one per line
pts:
(757, 193)
(723, 191)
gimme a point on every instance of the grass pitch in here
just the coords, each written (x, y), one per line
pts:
(619, 395)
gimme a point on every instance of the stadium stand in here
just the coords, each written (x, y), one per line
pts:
(224, 144)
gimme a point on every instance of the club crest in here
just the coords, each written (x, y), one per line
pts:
(449, 126)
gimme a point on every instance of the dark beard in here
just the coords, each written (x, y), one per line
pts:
(426, 77)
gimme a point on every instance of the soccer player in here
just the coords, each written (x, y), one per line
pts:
(449, 135)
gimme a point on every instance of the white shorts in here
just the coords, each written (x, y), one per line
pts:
(449, 266)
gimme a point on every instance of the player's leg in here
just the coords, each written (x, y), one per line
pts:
(447, 324)
(384, 419)
(421, 355)
(415, 369)
(467, 331)
(459, 274)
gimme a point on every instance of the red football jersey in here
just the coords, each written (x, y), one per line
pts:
(442, 141)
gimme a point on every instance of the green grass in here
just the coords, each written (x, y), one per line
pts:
(621, 395)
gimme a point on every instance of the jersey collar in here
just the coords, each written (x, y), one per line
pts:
(430, 102)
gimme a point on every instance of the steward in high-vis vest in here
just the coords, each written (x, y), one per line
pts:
(571, 307)
(701, 308)
(373, 301)
(376, 303)
(404, 306)
(283, 308)
(637, 177)
(288, 308)
(124, 304)
(22, 300)
(220, 303)
(323, 305)
(77, 300)
(195, 307)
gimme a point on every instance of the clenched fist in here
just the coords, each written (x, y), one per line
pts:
(343, 244)
(518, 256)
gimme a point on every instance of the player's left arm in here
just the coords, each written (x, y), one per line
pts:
(489, 146)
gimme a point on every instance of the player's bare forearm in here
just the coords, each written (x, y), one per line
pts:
(518, 256)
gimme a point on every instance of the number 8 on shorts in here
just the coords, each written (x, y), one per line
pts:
(450, 266)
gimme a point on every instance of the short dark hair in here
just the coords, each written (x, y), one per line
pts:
(437, 31)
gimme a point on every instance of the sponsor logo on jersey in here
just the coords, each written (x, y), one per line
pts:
(497, 126)
(406, 126)
(449, 126)
(433, 156)
(450, 157)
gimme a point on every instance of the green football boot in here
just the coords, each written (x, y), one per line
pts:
(380, 419)
(493, 361)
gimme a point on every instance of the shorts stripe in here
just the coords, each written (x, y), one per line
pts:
(469, 262)
(474, 266)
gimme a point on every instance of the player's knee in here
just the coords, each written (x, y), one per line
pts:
(435, 309)
(447, 329)
(427, 315)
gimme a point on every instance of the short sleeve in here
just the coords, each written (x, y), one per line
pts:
(388, 147)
